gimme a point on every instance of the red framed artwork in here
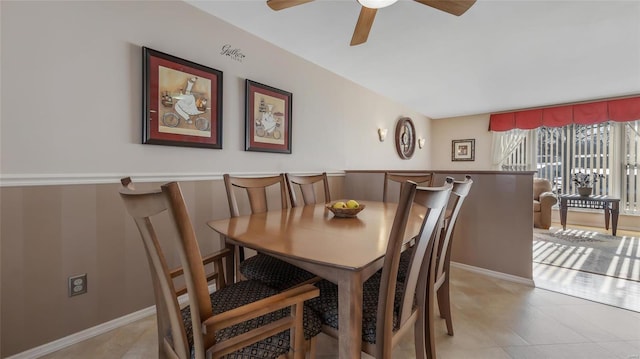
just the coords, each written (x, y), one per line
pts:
(182, 102)
(267, 118)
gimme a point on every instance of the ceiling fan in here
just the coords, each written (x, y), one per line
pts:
(370, 7)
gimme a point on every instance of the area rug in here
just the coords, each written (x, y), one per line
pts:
(588, 251)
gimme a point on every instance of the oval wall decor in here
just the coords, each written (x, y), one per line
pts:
(405, 138)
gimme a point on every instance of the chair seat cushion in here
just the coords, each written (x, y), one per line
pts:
(326, 305)
(273, 272)
(245, 292)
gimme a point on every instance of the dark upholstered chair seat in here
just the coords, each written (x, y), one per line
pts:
(246, 292)
(326, 305)
(273, 272)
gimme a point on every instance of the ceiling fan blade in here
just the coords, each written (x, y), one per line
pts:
(365, 21)
(453, 7)
(284, 4)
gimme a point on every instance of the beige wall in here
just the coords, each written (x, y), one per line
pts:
(70, 126)
(74, 70)
(51, 232)
(495, 225)
(460, 128)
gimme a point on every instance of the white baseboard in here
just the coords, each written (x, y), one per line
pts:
(75, 338)
(494, 274)
(89, 333)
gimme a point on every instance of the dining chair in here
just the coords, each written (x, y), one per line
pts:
(442, 275)
(443, 251)
(212, 262)
(272, 271)
(422, 179)
(305, 185)
(240, 320)
(390, 307)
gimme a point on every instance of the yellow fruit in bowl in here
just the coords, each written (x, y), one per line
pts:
(339, 205)
(352, 204)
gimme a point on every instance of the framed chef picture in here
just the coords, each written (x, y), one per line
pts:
(267, 118)
(182, 102)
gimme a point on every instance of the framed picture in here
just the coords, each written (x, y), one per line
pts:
(267, 118)
(182, 102)
(463, 150)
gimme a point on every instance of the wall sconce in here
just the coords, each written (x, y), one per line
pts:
(382, 134)
(420, 142)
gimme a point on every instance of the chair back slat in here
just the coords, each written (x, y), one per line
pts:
(308, 193)
(422, 179)
(307, 188)
(189, 250)
(258, 199)
(256, 189)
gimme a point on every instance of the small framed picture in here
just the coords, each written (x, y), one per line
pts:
(463, 150)
(267, 118)
(182, 102)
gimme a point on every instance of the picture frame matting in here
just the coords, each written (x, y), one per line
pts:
(463, 150)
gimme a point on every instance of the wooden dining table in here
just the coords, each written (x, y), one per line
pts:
(345, 251)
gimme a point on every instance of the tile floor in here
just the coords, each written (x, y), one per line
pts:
(599, 288)
(493, 319)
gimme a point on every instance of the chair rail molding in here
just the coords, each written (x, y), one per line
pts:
(49, 179)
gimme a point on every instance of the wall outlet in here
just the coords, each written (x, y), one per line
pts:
(78, 284)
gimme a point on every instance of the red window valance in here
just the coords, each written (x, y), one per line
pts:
(627, 109)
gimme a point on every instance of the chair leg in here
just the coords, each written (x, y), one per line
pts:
(311, 347)
(427, 328)
(419, 337)
(430, 340)
(444, 304)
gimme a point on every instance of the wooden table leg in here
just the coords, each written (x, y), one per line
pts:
(563, 213)
(606, 216)
(615, 211)
(350, 315)
(230, 265)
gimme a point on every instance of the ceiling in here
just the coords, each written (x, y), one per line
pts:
(499, 55)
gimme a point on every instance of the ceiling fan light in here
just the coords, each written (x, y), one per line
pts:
(376, 4)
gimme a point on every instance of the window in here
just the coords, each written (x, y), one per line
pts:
(630, 164)
(564, 151)
(511, 150)
(611, 149)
